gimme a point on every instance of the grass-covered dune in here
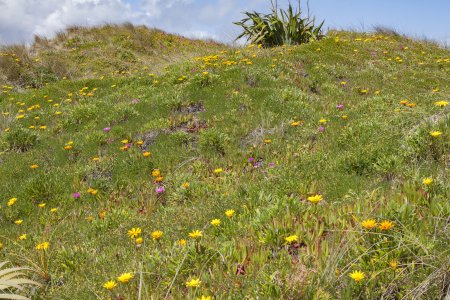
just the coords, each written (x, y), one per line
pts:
(86, 52)
(302, 172)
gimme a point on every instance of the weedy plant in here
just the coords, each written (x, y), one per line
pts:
(12, 281)
(280, 27)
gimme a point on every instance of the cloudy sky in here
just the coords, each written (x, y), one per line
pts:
(20, 20)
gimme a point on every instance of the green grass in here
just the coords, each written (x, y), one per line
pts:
(227, 109)
(87, 52)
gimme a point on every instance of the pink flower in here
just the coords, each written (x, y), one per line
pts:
(76, 195)
(321, 129)
(106, 129)
(340, 106)
(160, 190)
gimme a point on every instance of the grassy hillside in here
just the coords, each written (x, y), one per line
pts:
(88, 52)
(309, 172)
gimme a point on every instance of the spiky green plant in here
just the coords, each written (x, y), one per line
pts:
(280, 27)
(12, 280)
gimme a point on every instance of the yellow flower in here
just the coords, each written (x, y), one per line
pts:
(215, 222)
(182, 242)
(357, 276)
(267, 141)
(42, 246)
(110, 285)
(315, 199)
(146, 154)
(343, 82)
(185, 185)
(386, 225)
(96, 158)
(435, 133)
(156, 235)
(204, 298)
(344, 117)
(139, 241)
(229, 213)
(218, 170)
(291, 239)
(427, 181)
(369, 224)
(125, 277)
(156, 173)
(134, 232)
(53, 210)
(441, 103)
(92, 191)
(195, 234)
(124, 141)
(18, 222)
(102, 214)
(393, 264)
(1, 245)
(23, 237)
(68, 147)
(323, 121)
(41, 205)
(295, 124)
(193, 283)
(140, 143)
(11, 201)
(34, 167)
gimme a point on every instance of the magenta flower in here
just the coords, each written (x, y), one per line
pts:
(321, 129)
(160, 190)
(106, 129)
(76, 195)
(251, 159)
(340, 106)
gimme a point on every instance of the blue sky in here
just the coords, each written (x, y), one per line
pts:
(419, 18)
(20, 20)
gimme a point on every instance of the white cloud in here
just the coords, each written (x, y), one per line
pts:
(22, 19)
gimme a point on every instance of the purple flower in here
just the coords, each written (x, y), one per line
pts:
(340, 106)
(76, 195)
(321, 129)
(251, 159)
(160, 190)
(106, 129)
(272, 164)
(128, 145)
